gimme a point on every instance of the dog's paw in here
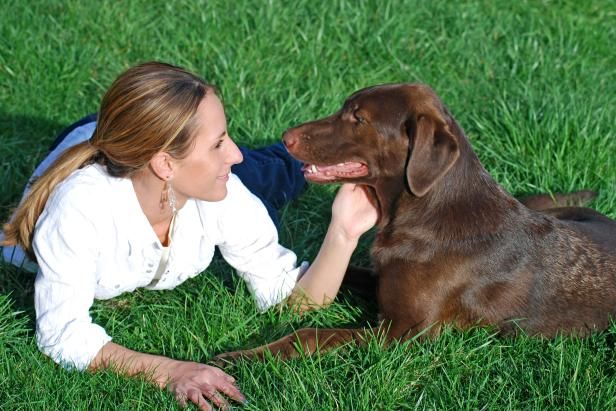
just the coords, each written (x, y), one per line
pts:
(226, 359)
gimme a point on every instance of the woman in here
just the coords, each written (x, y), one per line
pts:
(142, 203)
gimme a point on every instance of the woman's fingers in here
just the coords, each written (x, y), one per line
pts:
(231, 391)
(196, 396)
(199, 383)
(353, 211)
(180, 397)
(224, 375)
(226, 384)
(212, 394)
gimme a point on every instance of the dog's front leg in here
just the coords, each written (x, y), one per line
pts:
(362, 282)
(303, 342)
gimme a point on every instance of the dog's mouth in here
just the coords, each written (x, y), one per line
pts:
(331, 173)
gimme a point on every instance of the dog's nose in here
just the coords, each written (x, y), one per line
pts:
(290, 138)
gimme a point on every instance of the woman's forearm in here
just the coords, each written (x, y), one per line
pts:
(321, 282)
(131, 363)
(189, 381)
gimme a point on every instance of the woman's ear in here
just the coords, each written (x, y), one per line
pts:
(162, 165)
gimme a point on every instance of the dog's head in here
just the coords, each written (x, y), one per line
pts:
(381, 133)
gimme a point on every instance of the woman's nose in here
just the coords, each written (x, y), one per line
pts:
(235, 155)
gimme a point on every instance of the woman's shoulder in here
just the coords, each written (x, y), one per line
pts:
(80, 206)
(89, 187)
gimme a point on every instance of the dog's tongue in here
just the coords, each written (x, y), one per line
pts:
(349, 169)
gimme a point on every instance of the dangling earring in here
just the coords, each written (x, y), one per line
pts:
(171, 199)
(167, 197)
(164, 197)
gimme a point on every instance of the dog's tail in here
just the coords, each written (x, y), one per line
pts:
(546, 201)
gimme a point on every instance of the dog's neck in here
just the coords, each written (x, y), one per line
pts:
(465, 206)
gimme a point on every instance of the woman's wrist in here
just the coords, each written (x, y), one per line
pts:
(163, 371)
(338, 233)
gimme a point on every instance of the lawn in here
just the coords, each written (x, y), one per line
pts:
(532, 83)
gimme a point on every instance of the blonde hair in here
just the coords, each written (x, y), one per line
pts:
(148, 109)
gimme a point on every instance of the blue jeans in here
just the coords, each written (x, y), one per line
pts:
(270, 172)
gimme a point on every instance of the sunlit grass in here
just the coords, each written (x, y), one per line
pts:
(531, 82)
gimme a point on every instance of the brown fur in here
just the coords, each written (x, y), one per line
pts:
(452, 247)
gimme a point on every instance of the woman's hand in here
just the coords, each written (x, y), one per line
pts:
(352, 212)
(187, 380)
(199, 383)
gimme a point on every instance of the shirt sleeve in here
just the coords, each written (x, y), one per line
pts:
(250, 245)
(65, 244)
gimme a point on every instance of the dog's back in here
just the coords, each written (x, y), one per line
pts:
(574, 265)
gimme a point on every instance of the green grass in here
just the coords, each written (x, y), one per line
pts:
(532, 82)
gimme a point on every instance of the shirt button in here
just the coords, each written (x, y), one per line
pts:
(116, 286)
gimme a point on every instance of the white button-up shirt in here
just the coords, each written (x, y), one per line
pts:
(93, 241)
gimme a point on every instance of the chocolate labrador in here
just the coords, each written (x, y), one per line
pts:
(452, 246)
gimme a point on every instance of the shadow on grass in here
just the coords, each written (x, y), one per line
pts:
(19, 286)
(25, 140)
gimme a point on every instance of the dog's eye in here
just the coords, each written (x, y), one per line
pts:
(357, 117)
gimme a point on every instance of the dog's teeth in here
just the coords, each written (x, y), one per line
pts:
(314, 169)
(341, 164)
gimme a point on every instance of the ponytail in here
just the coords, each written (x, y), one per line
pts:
(20, 229)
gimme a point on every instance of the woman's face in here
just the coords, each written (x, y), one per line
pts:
(204, 173)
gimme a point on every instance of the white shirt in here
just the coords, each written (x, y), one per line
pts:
(93, 241)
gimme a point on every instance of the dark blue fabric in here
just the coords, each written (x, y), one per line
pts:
(270, 172)
(87, 119)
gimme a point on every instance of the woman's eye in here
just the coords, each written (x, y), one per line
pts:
(219, 144)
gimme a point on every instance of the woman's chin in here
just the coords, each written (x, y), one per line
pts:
(218, 195)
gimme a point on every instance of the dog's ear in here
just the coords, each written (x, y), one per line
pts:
(434, 150)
